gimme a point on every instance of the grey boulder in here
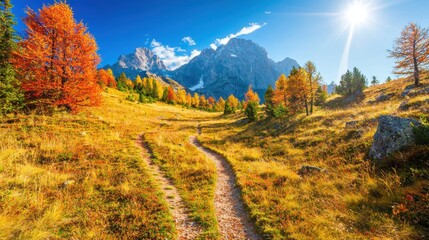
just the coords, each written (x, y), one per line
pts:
(393, 134)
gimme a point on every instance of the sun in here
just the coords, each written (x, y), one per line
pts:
(356, 14)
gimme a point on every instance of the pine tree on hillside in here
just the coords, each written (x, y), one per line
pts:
(269, 103)
(227, 109)
(321, 95)
(374, 81)
(164, 94)
(11, 98)
(351, 83)
(252, 105)
(388, 79)
(121, 82)
(251, 111)
(154, 92)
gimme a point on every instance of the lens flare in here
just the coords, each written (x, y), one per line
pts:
(356, 14)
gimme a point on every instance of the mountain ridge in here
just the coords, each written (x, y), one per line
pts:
(230, 69)
(140, 62)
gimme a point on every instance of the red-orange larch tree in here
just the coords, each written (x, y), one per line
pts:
(57, 59)
(171, 95)
(106, 78)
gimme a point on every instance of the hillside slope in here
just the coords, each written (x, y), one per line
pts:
(84, 176)
(355, 198)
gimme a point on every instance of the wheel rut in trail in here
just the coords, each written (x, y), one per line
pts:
(186, 228)
(232, 217)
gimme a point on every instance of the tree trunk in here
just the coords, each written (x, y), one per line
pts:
(306, 106)
(311, 96)
(416, 72)
(416, 66)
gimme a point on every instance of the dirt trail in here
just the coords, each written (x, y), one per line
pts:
(234, 222)
(186, 228)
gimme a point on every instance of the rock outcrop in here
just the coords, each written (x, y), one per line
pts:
(140, 62)
(393, 134)
(308, 170)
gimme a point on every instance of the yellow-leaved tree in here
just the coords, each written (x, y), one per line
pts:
(297, 90)
(313, 83)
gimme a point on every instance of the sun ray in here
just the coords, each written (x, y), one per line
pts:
(346, 53)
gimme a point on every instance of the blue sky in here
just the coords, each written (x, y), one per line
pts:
(304, 30)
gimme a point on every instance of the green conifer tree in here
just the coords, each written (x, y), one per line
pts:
(269, 103)
(11, 98)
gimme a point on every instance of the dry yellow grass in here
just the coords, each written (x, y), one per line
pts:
(82, 176)
(353, 200)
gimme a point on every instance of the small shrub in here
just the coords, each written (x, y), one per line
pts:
(414, 209)
(252, 111)
(280, 111)
(131, 98)
(228, 108)
(422, 132)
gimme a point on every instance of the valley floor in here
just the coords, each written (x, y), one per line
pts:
(84, 176)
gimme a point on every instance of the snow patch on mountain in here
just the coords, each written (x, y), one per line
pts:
(200, 85)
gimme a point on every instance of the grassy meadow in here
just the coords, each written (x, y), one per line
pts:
(83, 176)
(354, 199)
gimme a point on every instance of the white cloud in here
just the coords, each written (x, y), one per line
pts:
(268, 12)
(188, 40)
(169, 55)
(244, 31)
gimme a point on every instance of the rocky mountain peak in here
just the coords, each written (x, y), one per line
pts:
(231, 68)
(141, 61)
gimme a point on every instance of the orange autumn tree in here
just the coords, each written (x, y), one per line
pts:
(211, 102)
(251, 96)
(106, 78)
(171, 95)
(297, 90)
(280, 93)
(57, 60)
